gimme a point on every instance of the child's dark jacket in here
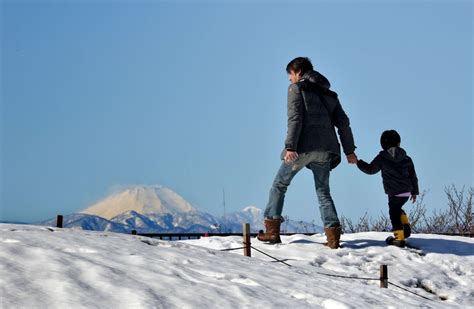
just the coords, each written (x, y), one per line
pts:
(398, 171)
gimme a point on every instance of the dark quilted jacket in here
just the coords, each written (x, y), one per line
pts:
(314, 112)
(398, 171)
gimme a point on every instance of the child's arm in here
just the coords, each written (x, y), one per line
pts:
(373, 168)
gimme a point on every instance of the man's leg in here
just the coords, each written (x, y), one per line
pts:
(274, 207)
(321, 171)
(332, 226)
(277, 193)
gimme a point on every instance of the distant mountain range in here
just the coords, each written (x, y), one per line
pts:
(157, 209)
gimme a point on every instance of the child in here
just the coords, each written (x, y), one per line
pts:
(399, 181)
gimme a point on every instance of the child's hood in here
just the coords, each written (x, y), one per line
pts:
(395, 154)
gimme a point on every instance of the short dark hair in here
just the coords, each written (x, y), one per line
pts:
(389, 139)
(300, 64)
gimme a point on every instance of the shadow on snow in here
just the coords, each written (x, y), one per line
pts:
(427, 245)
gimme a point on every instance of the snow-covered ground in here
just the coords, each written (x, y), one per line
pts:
(45, 267)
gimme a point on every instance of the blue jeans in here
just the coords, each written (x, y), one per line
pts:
(319, 163)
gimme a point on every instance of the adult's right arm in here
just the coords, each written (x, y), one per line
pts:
(342, 123)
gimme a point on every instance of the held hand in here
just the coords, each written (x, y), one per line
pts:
(352, 158)
(290, 156)
(413, 198)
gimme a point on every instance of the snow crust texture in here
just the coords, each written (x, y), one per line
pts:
(44, 267)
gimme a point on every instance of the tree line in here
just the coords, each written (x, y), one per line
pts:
(455, 219)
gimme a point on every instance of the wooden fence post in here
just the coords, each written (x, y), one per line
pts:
(383, 276)
(59, 221)
(246, 234)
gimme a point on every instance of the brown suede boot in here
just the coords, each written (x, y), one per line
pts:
(272, 231)
(333, 234)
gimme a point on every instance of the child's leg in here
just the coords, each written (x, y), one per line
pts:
(395, 211)
(405, 224)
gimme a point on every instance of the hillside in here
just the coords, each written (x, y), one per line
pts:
(45, 267)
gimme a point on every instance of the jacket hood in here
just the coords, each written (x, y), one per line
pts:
(395, 154)
(315, 77)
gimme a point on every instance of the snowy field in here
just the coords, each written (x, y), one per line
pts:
(45, 267)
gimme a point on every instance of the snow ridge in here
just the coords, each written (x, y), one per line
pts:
(43, 267)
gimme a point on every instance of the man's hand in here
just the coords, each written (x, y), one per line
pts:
(352, 158)
(413, 198)
(290, 155)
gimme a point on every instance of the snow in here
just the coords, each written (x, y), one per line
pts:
(44, 267)
(256, 212)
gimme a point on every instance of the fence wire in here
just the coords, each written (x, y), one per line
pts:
(405, 289)
(232, 249)
(331, 275)
(281, 261)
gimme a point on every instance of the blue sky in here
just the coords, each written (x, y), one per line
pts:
(192, 95)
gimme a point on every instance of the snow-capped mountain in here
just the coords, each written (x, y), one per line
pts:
(141, 199)
(232, 222)
(157, 209)
(194, 221)
(253, 215)
(137, 221)
(89, 222)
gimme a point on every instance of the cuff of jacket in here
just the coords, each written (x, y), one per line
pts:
(348, 152)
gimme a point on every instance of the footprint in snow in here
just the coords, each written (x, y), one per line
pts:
(318, 261)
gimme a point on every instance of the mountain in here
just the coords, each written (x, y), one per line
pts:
(152, 209)
(12, 222)
(141, 199)
(157, 209)
(232, 222)
(137, 221)
(89, 222)
(186, 222)
(253, 215)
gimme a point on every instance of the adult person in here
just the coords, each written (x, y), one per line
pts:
(314, 112)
